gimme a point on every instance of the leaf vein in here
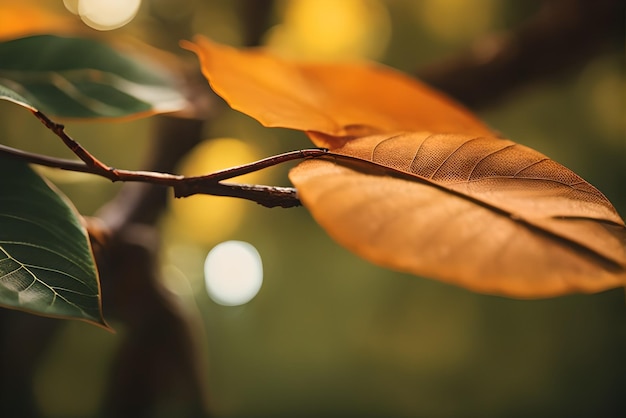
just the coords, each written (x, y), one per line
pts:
(530, 165)
(391, 138)
(484, 157)
(62, 256)
(459, 147)
(417, 152)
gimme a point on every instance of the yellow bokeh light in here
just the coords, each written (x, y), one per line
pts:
(332, 30)
(207, 219)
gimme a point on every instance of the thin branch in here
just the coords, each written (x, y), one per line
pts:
(143, 203)
(162, 179)
(229, 173)
(269, 196)
(91, 161)
(44, 160)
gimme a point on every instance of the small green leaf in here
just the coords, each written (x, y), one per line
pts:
(46, 264)
(83, 78)
(12, 96)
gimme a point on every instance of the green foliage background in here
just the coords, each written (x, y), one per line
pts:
(332, 335)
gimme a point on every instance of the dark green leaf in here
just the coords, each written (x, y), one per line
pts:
(83, 78)
(12, 96)
(46, 264)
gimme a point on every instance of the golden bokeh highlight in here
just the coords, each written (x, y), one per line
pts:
(332, 30)
(208, 219)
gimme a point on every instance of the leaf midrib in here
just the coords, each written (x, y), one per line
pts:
(344, 159)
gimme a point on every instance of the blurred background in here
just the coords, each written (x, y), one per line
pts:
(329, 334)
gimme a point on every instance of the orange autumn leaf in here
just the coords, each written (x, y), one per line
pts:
(484, 213)
(335, 99)
(416, 183)
(28, 17)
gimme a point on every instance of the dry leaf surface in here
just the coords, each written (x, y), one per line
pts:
(499, 218)
(416, 183)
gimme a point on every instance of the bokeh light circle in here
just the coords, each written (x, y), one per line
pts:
(233, 273)
(104, 14)
(332, 30)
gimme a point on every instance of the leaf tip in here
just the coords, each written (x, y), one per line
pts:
(197, 44)
(101, 323)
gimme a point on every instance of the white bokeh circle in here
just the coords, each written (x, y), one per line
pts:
(233, 273)
(104, 14)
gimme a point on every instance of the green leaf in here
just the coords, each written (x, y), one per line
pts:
(83, 78)
(46, 264)
(12, 96)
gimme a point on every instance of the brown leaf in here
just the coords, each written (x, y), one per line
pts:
(445, 197)
(480, 212)
(497, 171)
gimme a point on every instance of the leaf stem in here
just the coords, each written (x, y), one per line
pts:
(240, 170)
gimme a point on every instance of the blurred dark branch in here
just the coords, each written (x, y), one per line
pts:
(256, 16)
(144, 203)
(561, 36)
(160, 361)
